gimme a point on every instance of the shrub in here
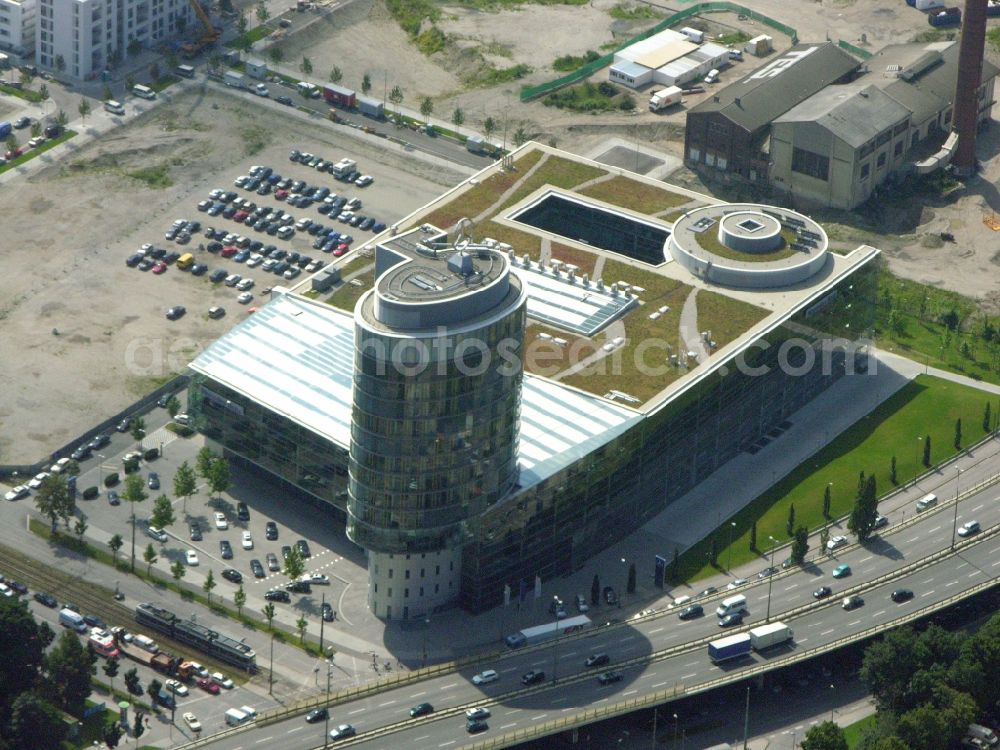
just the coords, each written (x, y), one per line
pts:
(431, 41)
(111, 479)
(132, 465)
(606, 88)
(151, 454)
(90, 493)
(627, 103)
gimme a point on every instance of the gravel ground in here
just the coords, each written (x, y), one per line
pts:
(75, 223)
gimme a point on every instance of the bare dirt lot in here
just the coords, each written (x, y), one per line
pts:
(84, 334)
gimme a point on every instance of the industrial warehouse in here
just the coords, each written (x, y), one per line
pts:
(489, 411)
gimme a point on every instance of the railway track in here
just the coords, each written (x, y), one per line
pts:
(100, 601)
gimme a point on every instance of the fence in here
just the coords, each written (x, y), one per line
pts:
(856, 51)
(533, 92)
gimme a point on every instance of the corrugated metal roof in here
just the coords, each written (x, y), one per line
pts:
(770, 91)
(854, 112)
(630, 69)
(296, 357)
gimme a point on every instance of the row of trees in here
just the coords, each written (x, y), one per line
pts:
(928, 688)
(35, 685)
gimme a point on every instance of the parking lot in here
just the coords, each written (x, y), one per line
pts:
(91, 332)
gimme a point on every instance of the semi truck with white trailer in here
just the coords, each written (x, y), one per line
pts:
(766, 636)
(730, 647)
(540, 633)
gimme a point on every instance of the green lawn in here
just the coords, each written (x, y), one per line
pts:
(28, 94)
(638, 196)
(253, 35)
(927, 405)
(854, 731)
(31, 153)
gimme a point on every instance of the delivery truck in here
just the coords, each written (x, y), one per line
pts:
(664, 98)
(234, 79)
(770, 635)
(730, 647)
(945, 17)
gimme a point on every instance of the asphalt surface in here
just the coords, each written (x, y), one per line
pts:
(515, 708)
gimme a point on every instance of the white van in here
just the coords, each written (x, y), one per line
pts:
(732, 605)
(146, 644)
(235, 717)
(713, 76)
(927, 501)
(985, 734)
(114, 107)
(74, 620)
(143, 92)
(250, 712)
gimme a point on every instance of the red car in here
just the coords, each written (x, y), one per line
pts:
(341, 249)
(159, 267)
(14, 154)
(208, 686)
(229, 251)
(239, 216)
(281, 194)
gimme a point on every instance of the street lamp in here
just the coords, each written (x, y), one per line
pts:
(770, 577)
(954, 526)
(427, 625)
(746, 720)
(625, 590)
(326, 719)
(674, 745)
(916, 461)
(729, 562)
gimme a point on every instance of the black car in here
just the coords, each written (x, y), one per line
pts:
(822, 592)
(278, 596)
(367, 224)
(153, 482)
(610, 597)
(767, 572)
(47, 599)
(257, 568)
(176, 312)
(198, 269)
(52, 130)
(82, 452)
(227, 549)
(421, 709)
(317, 714)
(299, 587)
(285, 552)
(689, 613)
(731, 620)
(271, 530)
(95, 622)
(162, 400)
(901, 595)
(113, 498)
(242, 511)
(18, 587)
(303, 548)
(99, 441)
(533, 677)
(609, 677)
(284, 100)
(232, 575)
(195, 532)
(218, 276)
(597, 660)
(21, 123)
(472, 726)
(133, 260)
(125, 425)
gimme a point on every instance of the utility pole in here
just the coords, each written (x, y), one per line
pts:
(746, 720)
(322, 621)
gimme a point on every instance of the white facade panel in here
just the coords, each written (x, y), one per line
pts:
(17, 26)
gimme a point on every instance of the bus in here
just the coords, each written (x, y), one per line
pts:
(143, 92)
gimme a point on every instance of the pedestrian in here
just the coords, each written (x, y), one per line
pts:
(335, 615)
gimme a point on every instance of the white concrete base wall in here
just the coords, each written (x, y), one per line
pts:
(405, 586)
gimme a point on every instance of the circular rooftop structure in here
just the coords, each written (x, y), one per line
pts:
(748, 245)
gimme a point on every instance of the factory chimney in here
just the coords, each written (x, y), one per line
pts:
(970, 70)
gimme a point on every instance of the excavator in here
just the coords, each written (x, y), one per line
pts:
(210, 34)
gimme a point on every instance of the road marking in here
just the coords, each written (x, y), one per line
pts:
(995, 564)
(297, 729)
(356, 711)
(568, 708)
(453, 684)
(801, 640)
(417, 739)
(827, 632)
(387, 703)
(789, 588)
(910, 541)
(856, 622)
(655, 630)
(928, 593)
(880, 612)
(630, 692)
(659, 684)
(417, 695)
(537, 718)
(973, 574)
(952, 583)
(692, 664)
(977, 508)
(627, 638)
(683, 677)
(571, 653)
(936, 528)
(559, 700)
(266, 739)
(866, 559)
(445, 744)
(508, 726)
(929, 580)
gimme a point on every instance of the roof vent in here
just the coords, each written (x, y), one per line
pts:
(461, 264)
(738, 102)
(716, 99)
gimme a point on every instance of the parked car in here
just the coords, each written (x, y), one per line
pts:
(232, 575)
(610, 597)
(271, 531)
(191, 557)
(208, 686)
(277, 596)
(257, 568)
(175, 312)
(46, 599)
(226, 549)
(220, 521)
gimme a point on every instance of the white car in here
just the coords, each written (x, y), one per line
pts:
(176, 686)
(736, 584)
(485, 677)
(968, 529)
(182, 419)
(316, 578)
(247, 540)
(232, 279)
(220, 522)
(244, 298)
(220, 679)
(254, 260)
(836, 541)
(191, 557)
(216, 194)
(245, 284)
(17, 493)
(261, 90)
(192, 721)
(364, 180)
(59, 466)
(37, 480)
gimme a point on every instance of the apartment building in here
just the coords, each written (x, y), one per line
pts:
(83, 37)
(17, 27)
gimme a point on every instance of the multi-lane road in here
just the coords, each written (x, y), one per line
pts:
(660, 653)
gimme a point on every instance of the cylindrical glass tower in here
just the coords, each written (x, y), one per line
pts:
(437, 393)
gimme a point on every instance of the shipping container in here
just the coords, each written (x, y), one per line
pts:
(371, 107)
(339, 96)
(766, 636)
(729, 648)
